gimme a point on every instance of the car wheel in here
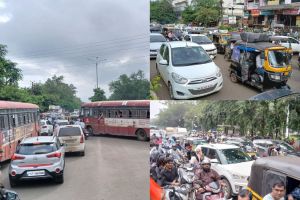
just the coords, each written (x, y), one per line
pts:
(171, 93)
(13, 183)
(60, 179)
(82, 153)
(233, 77)
(227, 189)
(141, 135)
(158, 73)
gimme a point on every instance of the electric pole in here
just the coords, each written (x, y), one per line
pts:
(97, 75)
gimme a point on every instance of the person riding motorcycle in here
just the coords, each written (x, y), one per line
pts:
(204, 177)
(156, 169)
(175, 153)
(169, 174)
(198, 158)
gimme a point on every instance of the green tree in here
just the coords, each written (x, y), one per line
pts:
(130, 87)
(9, 73)
(162, 11)
(99, 95)
(188, 15)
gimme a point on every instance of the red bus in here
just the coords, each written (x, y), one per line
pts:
(124, 118)
(17, 121)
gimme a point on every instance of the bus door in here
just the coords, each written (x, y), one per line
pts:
(101, 122)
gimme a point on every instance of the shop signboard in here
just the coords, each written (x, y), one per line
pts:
(291, 12)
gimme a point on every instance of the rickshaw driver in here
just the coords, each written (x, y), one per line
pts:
(259, 65)
(278, 192)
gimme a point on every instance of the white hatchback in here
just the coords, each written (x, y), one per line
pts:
(187, 70)
(72, 137)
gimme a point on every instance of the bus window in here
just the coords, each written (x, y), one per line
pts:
(2, 123)
(133, 114)
(86, 112)
(125, 113)
(143, 114)
(148, 114)
(24, 119)
(95, 112)
(13, 119)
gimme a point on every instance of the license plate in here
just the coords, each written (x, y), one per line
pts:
(205, 87)
(36, 173)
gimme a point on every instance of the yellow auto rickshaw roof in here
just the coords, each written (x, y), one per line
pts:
(287, 165)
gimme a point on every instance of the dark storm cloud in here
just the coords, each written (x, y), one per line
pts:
(49, 37)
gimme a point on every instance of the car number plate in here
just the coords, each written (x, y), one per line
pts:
(205, 87)
(36, 173)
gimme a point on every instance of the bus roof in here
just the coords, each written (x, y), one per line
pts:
(138, 103)
(17, 105)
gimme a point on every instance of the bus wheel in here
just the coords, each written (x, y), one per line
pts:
(90, 130)
(141, 135)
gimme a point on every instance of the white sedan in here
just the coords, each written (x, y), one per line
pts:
(187, 70)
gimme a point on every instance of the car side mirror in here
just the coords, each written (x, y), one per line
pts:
(163, 62)
(214, 160)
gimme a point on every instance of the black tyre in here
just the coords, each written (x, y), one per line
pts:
(171, 92)
(82, 153)
(227, 189)
(141, 135)
(59, 179)
(13, 183)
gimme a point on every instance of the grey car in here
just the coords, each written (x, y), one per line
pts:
(38, 158)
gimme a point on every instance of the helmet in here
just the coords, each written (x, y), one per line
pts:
(205, 161)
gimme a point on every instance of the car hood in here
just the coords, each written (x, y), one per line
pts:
(197, 71)
(242, 169)
(155, 45)
(207, 47)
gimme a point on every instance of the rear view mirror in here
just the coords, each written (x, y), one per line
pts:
(163, 62)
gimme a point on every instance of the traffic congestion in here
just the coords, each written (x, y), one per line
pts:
(192, 61)
(193, 162)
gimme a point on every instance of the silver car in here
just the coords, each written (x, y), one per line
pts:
(38, 158)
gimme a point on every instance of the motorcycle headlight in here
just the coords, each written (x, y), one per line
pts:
(179, 79)
(218, 74)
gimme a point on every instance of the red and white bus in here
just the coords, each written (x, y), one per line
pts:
(124, 118)
(17, 121)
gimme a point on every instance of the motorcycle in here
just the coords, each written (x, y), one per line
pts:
(86, 134)
(213, 191)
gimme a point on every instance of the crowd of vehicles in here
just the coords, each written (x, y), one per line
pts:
(238, 161)
(272, 70)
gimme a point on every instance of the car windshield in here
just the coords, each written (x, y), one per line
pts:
(36, 148)
(157, 38)
(69, 131)
(287, 146)
(185, 56)
(235, 156)
(247, 143)
(201, 40)
(278, 59)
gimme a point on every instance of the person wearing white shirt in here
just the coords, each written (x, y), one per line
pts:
(278, 192)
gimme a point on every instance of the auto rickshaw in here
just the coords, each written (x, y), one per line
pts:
(231, 41)
(268, 170)
(275, 60)
(220, 41)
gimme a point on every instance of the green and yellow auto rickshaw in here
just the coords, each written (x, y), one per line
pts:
(220, 41)
(275, 66)
(268, 170)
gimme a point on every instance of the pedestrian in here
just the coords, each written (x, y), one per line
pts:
(278, 191)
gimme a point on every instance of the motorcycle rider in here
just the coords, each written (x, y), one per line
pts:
(169, 174)
(155, 171)
(175, 153)
(198, 158)
(205, 176)
(189, 151)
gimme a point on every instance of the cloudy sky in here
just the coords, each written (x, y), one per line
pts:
(47, 37)
(155, 108)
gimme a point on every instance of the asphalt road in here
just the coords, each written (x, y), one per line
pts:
(230, 90)
(113, 168)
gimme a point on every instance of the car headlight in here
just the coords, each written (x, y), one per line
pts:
(179, 79)
(219, 74)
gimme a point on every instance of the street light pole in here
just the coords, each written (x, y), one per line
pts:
(97, 71)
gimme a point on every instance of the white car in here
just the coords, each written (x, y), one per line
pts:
(156, 39)
(204, 42)
(286, 41)
(72, 137)
(46, 128)
(187, 70)
(231, 163)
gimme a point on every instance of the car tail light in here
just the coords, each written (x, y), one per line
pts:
(54, 155)
(17, 157)
(81, 139)
(13, 173)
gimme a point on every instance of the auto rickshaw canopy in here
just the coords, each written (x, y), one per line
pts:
(286, 165)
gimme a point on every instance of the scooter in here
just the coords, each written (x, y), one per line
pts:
(86, 134)
(213, 191)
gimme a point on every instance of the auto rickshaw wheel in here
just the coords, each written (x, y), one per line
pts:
(233, 77)
(227, 189)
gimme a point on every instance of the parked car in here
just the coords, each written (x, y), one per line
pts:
(232, 164)
(262, 146)
(287, 42)
(72, 137)
(46, 128)
(37, 158)
(204, 42)
(187, 70)
(156, 39)
(246, 145)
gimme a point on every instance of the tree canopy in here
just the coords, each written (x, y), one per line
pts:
(162, 11)
(99, 95)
